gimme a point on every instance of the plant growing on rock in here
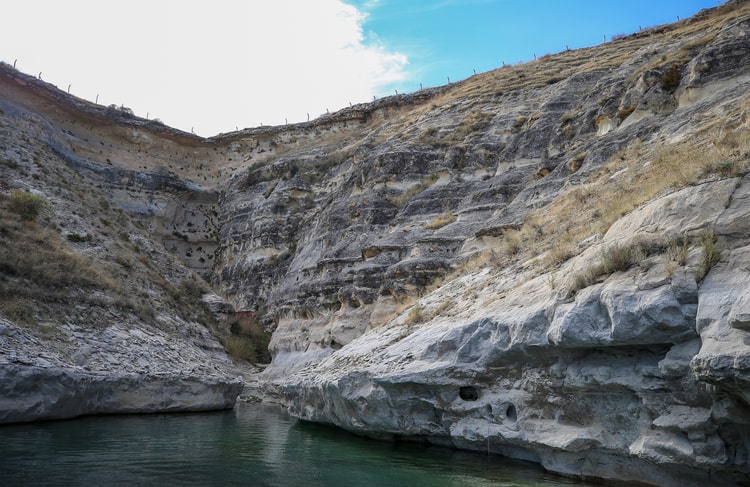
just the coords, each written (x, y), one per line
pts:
(729, 168)
(625, 112)
(27, 205)
(678, 251)
(574, 164)
(441, 220)
(615, 258)
(710, 254)
(416, 315)
(402, 199)
(670, 80)
(248, 340)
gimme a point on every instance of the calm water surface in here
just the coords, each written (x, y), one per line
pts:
(253, 444)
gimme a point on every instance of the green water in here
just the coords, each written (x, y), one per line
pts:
(253, 445)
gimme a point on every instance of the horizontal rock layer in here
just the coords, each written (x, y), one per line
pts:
(34, 393)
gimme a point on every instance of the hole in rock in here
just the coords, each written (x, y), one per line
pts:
(511, 413)
(469, 393)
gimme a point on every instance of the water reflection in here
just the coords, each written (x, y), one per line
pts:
(257, 445)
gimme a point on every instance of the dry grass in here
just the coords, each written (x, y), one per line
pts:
(549, 69)
(678, 251)
(631, 178)
(247, 339)
(416, 315)
(36, 266)
(473, 123)
(612, 259)
(402, 199)
(575, 162)
(710, 254)
(441, 220)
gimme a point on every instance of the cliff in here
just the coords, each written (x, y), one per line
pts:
(550, 260)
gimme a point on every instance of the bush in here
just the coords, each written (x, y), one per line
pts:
(670, 80)
(241, 348)
(27, 205)
(76, 238)
(248, 340)
(612, 259)
(709, 254)
(678, 251)
(441, 220)
(416, 315)
(729, 168)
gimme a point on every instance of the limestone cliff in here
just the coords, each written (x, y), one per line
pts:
(550, 260)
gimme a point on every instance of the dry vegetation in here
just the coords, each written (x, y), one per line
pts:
(445, 218)
(632, 178)
(37, 268)
(403, 198)
(247, 340)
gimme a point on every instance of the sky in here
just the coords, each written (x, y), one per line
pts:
(213, 66)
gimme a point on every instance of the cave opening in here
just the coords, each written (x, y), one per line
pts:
(468, 393)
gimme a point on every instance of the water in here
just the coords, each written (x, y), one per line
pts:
(253, 445)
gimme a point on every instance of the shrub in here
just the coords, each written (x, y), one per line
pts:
(8, 163)
(416, 315)
(241, 347)
(729, 168)
(678, 251)
(76, 238)
(670, 80)
(709, 254)
(27, 205)
(248, 340)
(441, 220)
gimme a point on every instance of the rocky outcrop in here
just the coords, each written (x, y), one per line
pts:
(116, 369)
(548, 261)
(638, 377)
(100, 304)
(67, 393)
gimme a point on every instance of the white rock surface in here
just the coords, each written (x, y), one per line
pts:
(643, 374)
(114, 369)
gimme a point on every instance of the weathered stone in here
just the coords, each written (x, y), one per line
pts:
(395, 251)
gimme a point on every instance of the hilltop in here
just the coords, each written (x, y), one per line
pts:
(550, 260)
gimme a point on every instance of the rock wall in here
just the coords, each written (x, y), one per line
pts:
(634, 375)
(549, 260)
(632, 379)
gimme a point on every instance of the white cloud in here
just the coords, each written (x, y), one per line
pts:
(208, 65)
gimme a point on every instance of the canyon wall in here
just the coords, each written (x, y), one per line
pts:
(549, 261)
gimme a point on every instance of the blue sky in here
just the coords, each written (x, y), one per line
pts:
(451, 38)
(212, 66)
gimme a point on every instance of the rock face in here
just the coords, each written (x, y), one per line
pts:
(639, 376)
(117, 369)
(549, 260)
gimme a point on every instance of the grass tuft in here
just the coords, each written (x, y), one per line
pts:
(27, 205)
(710, 254)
